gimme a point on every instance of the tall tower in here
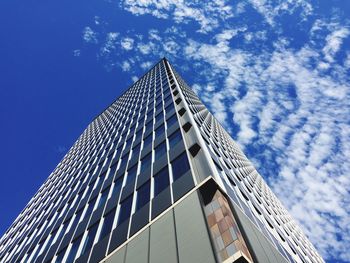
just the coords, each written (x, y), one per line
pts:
(155, 178)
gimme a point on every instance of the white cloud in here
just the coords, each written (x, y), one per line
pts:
(271, 9)
(145, 48)
(240, 7)
(126, 66)
(89, 35)
(227, 34)
(146, 65)
(248, 36)
(127, 43)
(76, 52)
(175, 31)
(347, 61)
(171, 47)
(154, 34)
(207, 15)
(333, 43)
(110, 43)
(97, 20)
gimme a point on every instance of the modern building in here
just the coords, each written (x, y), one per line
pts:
(155, 178)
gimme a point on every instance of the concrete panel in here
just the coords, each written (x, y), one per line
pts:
(268, 248)
(192, 235)
(163, 240)
(117, 257)
(263, 250)
(201, 166)
(137, 249)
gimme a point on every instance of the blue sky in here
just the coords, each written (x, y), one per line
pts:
(276, 74)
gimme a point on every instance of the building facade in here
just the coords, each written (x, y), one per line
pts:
(155, 178)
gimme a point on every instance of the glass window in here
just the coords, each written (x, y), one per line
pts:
(136, 150)
(169, 108)
(161, 180)
(112, 170)
(37, 251)
(171, 120)
(151, 103)
(108, 159)
(159, 106)
(128, 143)
(147, 140)
(76, 220)
(159, 95)
(60, 255)
(61, 233)
(99, 183)
(90, 207)
(89, 240)
(132, 129)
(160, 150)
(49, 242)
(123, 161)
(103, 197)
(131, 174)
(134, 119)
(166, 91)
(143, 195)
(159, 117)
(180, 166)
(141, 121)
(159, 131)
(146, 162)
(168, 98)
(175, 138)
(150, 115)
(118, 151)
(74, 249)
(125, 209)
(117, 187)
(138, 134)
(149, 125)
(107, 223)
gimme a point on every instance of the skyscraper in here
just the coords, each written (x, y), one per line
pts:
(155, 178)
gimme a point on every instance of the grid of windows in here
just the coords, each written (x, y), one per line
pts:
(91, 171)
(98, 186)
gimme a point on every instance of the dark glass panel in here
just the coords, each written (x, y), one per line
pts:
(160, 150)
(143, 195)
(180, 166)
(107, 224)
(131, 174)
(125, 210)
(89, 239)
(175, 138)
(146, 162)
(161, 180)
